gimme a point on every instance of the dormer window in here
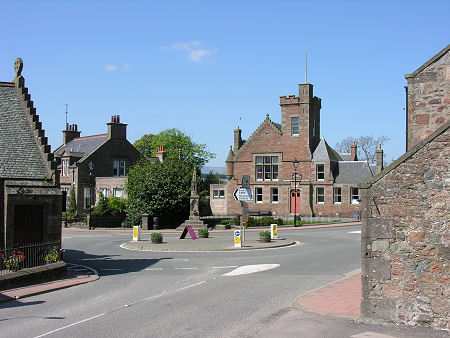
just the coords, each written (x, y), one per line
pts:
(119, 168)
(294, 126)
(320, 172)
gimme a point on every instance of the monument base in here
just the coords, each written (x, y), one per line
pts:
(194, 221)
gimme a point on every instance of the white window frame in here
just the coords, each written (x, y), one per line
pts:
(266, 167)
(337, 195)
(87, 198)
(274, 195)
(258, 194)
(320, 172)
(295, 126)
(218, 193)
(65, 167)
(119, 168)
(104, 191)
(318, 195)
(116, 190)
(354, 200)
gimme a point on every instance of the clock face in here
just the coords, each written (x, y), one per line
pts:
(18, 65)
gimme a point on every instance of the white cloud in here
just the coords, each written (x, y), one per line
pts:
(110, 68)
(195, 50)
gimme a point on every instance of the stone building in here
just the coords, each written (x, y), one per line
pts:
(405, 236)
(95, 163)
(326, 182)
(30, 198)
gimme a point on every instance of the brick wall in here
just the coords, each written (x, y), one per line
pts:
(405, 237)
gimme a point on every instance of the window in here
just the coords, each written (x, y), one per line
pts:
(258, 195)
(320, 195)
(117, 192)
(337, 195)
(119, 168)
(65, 167)
(65, 192)
(274, 195)
(266, 168)
(73, 176)
(354, 192)
(104, 191)
(320, 172)
(87, 198)
(219, 193)
(294, 125)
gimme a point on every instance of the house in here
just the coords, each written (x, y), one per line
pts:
(405, 235)
(95, 163)
(324, 183)
(30, 198)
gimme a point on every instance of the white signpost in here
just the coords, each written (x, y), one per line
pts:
(243, 194)
(237, 239)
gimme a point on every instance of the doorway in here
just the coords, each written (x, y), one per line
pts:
(295, 201)
(28, 224)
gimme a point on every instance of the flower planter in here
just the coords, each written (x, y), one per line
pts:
(265, 239)
(203, 235)
(156, 240)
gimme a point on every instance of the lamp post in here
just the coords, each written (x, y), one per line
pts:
(295, 162)
(91, 172)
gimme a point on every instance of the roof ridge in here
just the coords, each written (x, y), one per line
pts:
(429, 62)
(89, 136)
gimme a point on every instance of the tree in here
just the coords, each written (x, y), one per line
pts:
(176, 145)
(159, 189)
(205, 183)
(71, 204)
(366, 146)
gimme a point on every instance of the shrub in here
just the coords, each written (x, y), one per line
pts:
(157, 235)
(203, 231)
(264, 234)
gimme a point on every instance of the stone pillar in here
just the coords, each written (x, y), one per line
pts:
(145, 222)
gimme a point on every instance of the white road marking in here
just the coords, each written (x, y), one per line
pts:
(354, 232)
(185, 268)
(66, 237)
(369, 334)
(247, 269)
(225, 267)
(125, 305)
(153, 269)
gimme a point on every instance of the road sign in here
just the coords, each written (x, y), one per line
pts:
(243, 194)
(246, 182)
(237, 239)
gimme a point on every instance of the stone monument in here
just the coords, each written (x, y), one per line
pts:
(194, 216)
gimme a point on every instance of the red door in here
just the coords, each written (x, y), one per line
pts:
(295, 201)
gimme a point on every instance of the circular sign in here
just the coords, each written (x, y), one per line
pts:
(237, 233)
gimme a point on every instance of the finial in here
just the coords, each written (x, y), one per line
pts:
(267, 116)
(18, 66)
(379, 146)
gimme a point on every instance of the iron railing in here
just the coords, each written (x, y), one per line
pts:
(35, 255)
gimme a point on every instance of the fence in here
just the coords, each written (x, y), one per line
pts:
(34, 255)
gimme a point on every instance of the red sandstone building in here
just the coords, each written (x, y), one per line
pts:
(326, 182)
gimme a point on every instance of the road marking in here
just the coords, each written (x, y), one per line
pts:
(66, 237)
(153, 269)
(369, 334)
(225, 267)
(185, 268)
(67, 326)
(123, 306)
(247, 269)
(354, 232)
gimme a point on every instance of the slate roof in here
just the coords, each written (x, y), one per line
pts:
(84, 145)
(346, 156)
(324, 152)
(20, 156)
(354, 172)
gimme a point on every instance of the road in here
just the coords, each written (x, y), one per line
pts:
(144, 294)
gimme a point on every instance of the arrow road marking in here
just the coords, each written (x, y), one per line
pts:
(247, 269)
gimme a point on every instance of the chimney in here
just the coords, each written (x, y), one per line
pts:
(353, 152)
(237, 139)
(70, 133)
(379, 155)
(116, 129)
(229, 165)
(161, 154)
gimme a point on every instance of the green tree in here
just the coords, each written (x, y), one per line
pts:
(71, 204)
(159, 189)
(176, 145)
(101, 209)
(211, 178)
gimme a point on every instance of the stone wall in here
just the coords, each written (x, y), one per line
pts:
(428, 97)
(405, 237)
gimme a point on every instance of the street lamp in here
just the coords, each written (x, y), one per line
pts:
(295, 162)
(91, 172)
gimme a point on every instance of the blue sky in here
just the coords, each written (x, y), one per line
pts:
(206, 66)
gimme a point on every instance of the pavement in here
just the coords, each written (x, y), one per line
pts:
(341, 298)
